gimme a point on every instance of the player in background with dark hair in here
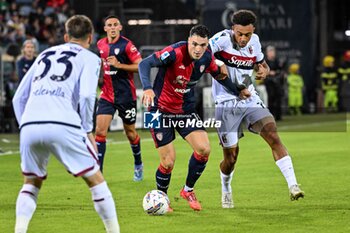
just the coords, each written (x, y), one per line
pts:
(181, 65)
(54, 107)
(120, 60)
(240, 50)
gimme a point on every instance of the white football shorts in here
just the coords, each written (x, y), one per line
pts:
(233, 113)
(68, 144)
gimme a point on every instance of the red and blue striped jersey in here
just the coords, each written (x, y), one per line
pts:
(177, 76)
(118, 85)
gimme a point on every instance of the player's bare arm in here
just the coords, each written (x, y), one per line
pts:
(223, 71)
(244, 93)
(262, 70)
(91, 138)
(113, 61)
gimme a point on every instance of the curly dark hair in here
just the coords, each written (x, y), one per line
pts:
(200, 30)
(244, 18)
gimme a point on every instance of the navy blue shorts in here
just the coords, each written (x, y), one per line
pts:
(126, 111)
(171, 122)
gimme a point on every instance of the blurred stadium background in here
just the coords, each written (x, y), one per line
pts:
(302, 31)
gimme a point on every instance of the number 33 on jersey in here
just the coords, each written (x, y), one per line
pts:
(62, 75)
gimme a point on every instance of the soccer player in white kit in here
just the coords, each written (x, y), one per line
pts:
(54, 107)
(240, 50)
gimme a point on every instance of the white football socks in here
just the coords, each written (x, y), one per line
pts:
(286, 166)
(25, 207)
(188, 189)
(105, 207)
(226, 182)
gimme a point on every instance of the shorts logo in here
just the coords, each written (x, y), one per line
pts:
(152, 120)
(159, 136)
(223, 138)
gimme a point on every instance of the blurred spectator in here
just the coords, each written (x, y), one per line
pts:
(11, 87)
(26, 60)
(261, 89)
(9, 115)
(27, 20)
(295, 89)
(274, 82)
(344, 90)
(330, 84)
(16, 28)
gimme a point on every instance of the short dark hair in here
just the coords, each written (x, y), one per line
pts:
(110, 17)
(200, 30)
(79, 27)
(244, 18)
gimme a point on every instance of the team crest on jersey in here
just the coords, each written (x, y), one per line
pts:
(133, 49)
(116, 51)
(159, 136)
(250, 48)
(201, 68)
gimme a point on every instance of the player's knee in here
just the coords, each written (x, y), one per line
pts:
(168, 165)
(101, 133)
(272, 138)
(132, 136)
(231, 161)
(203, 151)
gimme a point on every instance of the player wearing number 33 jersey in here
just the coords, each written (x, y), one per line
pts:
(54, 106)
(74, 71)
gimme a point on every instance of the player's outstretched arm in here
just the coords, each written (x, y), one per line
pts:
(145, 72)
(221, 75)
(113, 61)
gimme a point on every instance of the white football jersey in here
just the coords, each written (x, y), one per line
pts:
(60, 87)
(239, 61)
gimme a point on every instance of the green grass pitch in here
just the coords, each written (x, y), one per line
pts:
(320, 149)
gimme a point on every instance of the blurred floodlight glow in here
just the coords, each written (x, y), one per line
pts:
(134, 22)
(139, 22)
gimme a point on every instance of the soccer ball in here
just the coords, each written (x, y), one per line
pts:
(156, 202)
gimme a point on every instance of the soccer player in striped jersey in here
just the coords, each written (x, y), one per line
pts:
(120, 60)
(54, 106)
(181, 65)
(240, 50)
